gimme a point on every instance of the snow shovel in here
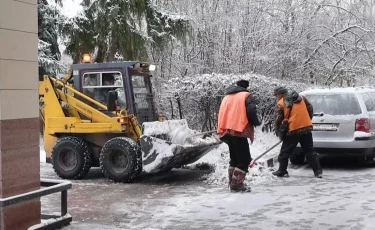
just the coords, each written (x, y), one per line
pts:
(252, 163)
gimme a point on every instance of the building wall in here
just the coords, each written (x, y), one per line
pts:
(19, 111)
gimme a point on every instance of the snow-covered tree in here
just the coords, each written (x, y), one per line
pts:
(49, 53)
(318, 41)
(110, 29)
(198, 97)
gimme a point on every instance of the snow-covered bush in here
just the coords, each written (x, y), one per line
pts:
(200, 97)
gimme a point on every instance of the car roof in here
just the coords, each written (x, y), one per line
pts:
(338, 90)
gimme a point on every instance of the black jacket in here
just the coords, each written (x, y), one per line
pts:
(251, 109)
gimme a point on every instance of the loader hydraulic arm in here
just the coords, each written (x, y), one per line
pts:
(66, 119)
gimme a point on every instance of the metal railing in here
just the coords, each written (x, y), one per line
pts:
(49, 187)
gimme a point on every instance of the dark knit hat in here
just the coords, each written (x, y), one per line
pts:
(280, 90)
(243, 83)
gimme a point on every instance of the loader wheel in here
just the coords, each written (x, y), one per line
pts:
(120, 159)
(71, 158)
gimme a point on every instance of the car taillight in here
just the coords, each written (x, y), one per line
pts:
(362, 125)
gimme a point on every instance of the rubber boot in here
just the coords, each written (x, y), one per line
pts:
(230, 174)
(281, 173)
(315, 165)
(283, 165)
(318, 174)
(237, 183)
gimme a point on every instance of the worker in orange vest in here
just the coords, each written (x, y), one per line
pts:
(236, 121)
(293, 125)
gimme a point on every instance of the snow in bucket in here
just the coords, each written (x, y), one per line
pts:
(185, 136)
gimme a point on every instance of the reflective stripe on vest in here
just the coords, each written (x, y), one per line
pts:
(232, 113)
(299, 118)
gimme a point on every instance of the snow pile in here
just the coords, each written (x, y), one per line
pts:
(177, 132)
(165, 127)
(179, 139)
(181, 135)
(187, 137)
(219, 158)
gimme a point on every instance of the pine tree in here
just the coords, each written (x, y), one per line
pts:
(109, 29)
(48, 47)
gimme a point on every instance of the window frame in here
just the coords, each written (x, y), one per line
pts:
(369, 95)
(101, 80)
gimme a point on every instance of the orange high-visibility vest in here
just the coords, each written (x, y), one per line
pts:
(232, 113)
(299, 117)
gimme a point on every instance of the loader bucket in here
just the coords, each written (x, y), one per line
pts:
(166, 145)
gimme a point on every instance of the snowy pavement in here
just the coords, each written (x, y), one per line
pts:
(343, 199)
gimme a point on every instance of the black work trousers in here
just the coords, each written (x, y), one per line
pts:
(239, 151)
(290, 143)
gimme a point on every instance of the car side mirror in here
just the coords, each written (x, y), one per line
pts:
(111, 101)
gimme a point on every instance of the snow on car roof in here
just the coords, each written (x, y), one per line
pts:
(337, 90)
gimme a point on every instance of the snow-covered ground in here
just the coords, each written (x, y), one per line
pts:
(178, 200)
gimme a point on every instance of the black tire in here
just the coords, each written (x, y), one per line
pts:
(298, 158)
(120, 159)
(367, 161)
(71, 149)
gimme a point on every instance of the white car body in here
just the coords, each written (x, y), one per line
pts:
(343, 121)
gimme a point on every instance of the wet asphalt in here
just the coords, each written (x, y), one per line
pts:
(179, 199)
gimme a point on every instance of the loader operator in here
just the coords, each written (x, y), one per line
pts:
(236, 121)
(293, 125)
(102, 93)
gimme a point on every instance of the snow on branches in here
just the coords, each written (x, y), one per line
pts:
(46, 59)
(198, 97)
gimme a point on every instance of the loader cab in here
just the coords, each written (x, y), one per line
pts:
(131, 81)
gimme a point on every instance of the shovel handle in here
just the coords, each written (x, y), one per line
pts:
(252, 163)
(261, 155)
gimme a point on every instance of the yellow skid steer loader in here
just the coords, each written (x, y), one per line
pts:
(103, 115)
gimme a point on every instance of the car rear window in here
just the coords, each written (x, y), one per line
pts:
(335, 104)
